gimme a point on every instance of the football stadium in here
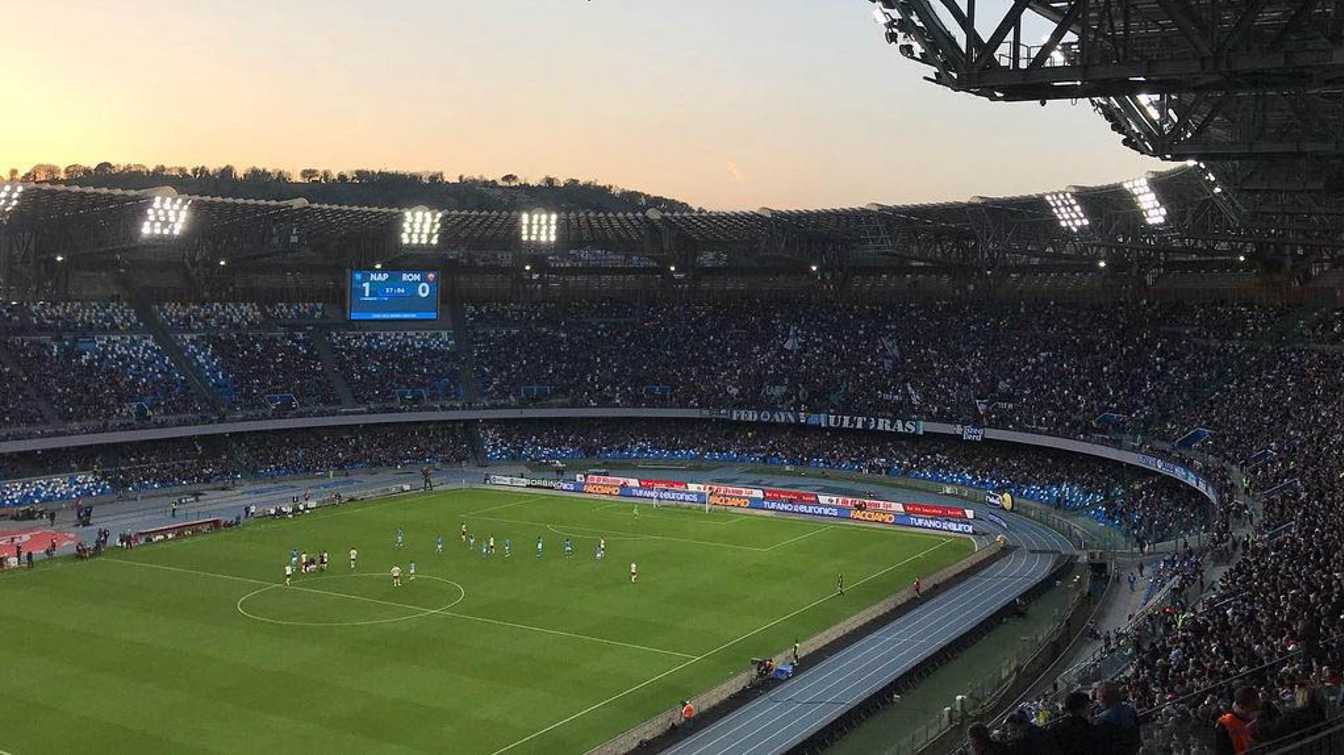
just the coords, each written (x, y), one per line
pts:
(379, 461)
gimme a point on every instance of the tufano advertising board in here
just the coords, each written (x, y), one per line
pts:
(872, 511)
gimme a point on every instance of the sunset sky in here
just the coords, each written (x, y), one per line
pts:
(722, 103)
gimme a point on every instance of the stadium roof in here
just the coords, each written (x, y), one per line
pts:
(1199, 219)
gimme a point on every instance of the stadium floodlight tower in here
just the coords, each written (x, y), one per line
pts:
(166, 216)
(9, 198)
(1153, 211)
(1067, 210)
(420, 227)
(538, 227)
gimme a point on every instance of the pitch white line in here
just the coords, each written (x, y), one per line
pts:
(638, 535)
(599, 536)
(724, 646)
(422, 609)
(560, 633)
(810, 533)
(419, 612)
(528, 499)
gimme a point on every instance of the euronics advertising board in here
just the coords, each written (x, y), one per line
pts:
(926, 516)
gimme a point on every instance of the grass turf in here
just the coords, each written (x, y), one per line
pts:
(195, 647)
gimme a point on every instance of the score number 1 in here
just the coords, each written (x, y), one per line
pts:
(422, 290)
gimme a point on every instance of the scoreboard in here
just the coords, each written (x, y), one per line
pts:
(394, 295)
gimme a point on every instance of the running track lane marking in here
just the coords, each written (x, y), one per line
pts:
(423, 611)
(724, 646)
(827, 682)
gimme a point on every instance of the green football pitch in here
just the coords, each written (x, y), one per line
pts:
(197, 646)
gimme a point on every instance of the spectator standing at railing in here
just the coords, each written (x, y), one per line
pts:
(1117, 722)
(982, 743)
(1074, 734)
(1232, 733)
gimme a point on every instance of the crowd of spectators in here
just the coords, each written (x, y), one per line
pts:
(83, 317)
(52, 488)
(252, 369)
(1222, 322)
(297, 311)
(1328, 328)
(1150, 508)
(394, 366)
(1049, 366)
(1270, 630)
(1273, 622)
(212, 316)
(102, 377)
(56, 475)
(16, 408)
(343, 449)
(69, 317)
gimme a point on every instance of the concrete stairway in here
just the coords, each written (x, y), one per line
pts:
(149, 316)
(331, 367)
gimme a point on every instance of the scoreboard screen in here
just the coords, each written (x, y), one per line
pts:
(394, 295)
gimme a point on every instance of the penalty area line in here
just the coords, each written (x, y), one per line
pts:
(529, 499)
(807, 534)
(722, 647)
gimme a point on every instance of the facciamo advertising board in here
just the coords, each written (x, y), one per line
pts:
(873, 511)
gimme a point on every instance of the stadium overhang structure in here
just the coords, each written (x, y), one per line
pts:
(1175, 78)
(1206, 220)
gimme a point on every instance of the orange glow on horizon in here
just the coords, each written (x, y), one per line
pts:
(759, 104)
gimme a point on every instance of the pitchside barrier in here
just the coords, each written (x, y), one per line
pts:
(923, 516)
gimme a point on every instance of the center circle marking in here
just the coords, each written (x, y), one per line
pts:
(462, 595)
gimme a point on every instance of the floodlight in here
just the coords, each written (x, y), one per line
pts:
(420, 227)
(538, 227)
(672, 268)
(60, 258)
(814, 268)
(1101, 263)
(1210, 179)
(377, 266)
(1067, 210)
(527, 268)
(222, 263)
(1150, 103)
(1153, 211)
(1241, 258)
(9, 197)
(165, 217)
